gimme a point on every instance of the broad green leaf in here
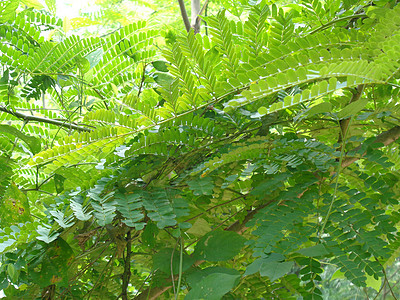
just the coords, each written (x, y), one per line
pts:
(163, 258)
(373, 283)
(7, 9)
(33, 3)
(32, 142)
(163, 79)
(314, 251)
(95, 57)
(149, 234)
(219, 246)
(160, 65)
(200, 227)
(319, 108)
(59, 183)
(194, 278)
(201, 186)
(275, 270)
(14, 207)
(51, 5)
(55, 264)
(352, 109)
(213, 287)
(254, 267)
(12, 272)
(338, 275)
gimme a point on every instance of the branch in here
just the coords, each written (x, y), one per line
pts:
(28, 118)
(184, 15)
(385, 138)
(344, 123)
(127, 268)
(196, 23)
(327, 25)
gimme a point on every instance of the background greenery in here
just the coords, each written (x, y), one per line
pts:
(255, 159)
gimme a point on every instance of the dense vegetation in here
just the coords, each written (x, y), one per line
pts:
(253, 159)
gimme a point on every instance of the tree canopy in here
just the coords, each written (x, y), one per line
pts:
(250, 159)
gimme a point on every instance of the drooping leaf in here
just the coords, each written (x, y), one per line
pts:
(32, 142)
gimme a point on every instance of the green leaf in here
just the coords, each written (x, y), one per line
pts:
(160, 65)
(319, 108)
(55, 264)
(59, 183)
(352, 109)
(338, 275)
(202, 186)
(314, 251)
(51, 5)
(163, 258)
(32, 142)
(200, 227)
(213, 287)
(219, 246)
(14, 208)
(163, 79)
(46, 234)
(12, 272)
(149, 234)
(275, 270)
(194, 278)
(33, 3)
(7, 9)
(94, 57)
(374, 283)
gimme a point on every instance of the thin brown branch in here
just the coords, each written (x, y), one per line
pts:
(127, 268)
(196, 23)
(344, 123)
(184, 15)
(29, 118)
(385, 138)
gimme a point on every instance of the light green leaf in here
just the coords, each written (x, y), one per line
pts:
(51, 5)
(320, 108)
(373, 283)
(7, 9)
(95, 57)
(338, 275)
(199, 228)
(352, 109)
(33, 3)
(32, 142)
(14, 207)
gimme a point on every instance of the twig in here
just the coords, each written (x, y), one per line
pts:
(28, 118)
(184, 15)
(127, 267)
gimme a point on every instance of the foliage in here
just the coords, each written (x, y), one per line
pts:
(246, 162)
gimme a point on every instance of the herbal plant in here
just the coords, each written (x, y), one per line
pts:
(235, 164)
